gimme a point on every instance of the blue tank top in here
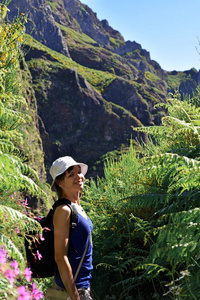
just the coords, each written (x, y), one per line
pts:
(78, 241)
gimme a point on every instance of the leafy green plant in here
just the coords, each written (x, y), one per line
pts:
(146, 212)
(98, 79)
(15, 171)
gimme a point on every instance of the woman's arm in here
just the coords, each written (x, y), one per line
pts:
(61, 221)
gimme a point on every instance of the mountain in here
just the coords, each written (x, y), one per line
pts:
(91, 86)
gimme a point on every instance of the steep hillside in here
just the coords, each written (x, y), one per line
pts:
(90, 85)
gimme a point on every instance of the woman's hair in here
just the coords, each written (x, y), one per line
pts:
(60, 178)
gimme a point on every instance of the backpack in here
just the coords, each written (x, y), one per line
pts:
(44, 265)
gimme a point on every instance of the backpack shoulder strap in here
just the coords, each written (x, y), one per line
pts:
(74, 213)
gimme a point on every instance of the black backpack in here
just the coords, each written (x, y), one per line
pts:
(45, 267)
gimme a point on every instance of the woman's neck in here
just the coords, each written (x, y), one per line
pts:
(73, 197)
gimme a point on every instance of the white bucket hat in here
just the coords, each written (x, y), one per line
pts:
(60, 165)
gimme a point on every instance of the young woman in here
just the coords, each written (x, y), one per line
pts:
(68, 181)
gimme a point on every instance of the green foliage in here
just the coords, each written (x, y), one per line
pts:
(174, 79)
(80, 38)
(116, 43)
(146, 212)
(15, 171)
(145, 209)
(151, 77)
(98, 79)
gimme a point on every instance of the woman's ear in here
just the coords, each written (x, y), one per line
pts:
(58, 182)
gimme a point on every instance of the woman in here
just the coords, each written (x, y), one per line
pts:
(68, 181)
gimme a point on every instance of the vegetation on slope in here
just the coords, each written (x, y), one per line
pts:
(146, 213)
(18, 179)
(145, 209)
(98, 79)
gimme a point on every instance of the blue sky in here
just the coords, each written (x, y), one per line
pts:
(168, 29)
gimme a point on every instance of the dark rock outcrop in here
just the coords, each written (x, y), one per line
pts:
(87, 20)
(76, 119)
(41, 24)
(89, 98)
(133, 101)
(127, 47)
(111, 32)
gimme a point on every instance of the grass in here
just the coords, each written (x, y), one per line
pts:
(116, 42)
(53, 5)
(94, 50)
(151, 77)
(79, 38)
(98, 79)
(174, 81)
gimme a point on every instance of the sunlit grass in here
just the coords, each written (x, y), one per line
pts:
(98, 79)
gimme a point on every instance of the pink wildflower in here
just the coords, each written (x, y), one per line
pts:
(15, 266)
(23, 294)
(39, 255)
(10, 275)
(41, 237)
(24, 203)
(17, 229)
(36, 293)
(47, 229)
(2, 256)
(27, 273)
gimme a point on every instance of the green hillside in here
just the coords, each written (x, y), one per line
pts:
(145, 207)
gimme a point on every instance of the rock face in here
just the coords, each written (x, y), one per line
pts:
(77, 121)
(89, 98)
(41, 24)
(127, 47)
(110, 31)
(133, 101)
(87, 20)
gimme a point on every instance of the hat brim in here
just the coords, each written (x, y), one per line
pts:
(84, 169)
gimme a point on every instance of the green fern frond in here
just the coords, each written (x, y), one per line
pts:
(15, 162)
(18, 176)
(106, 266)
(153, 130)
(152, 269)
(15, 102)
(173, 158)
(13, 116)
(196, 123)
(29, 185)
(16, 216)
(186, 183)
(12, 135)
(188, 132)
(8, 146)
(171, 170)
(169, 208)
(181, 112)
(153, 197)
(20, 182)
(11, 248)
(172, 121)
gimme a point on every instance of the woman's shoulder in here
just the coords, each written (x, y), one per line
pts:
(62, 214)
(62, 209)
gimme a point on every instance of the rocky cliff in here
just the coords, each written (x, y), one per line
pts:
(90, 85)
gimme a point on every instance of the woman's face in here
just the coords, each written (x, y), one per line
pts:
(73, 180)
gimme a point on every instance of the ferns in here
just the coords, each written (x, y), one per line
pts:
(148, 209)
(13, 250)
(16, 176)
(145, 210)
(10, 219)
(15, 217)
(7, 146)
